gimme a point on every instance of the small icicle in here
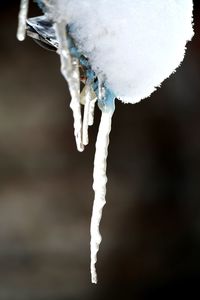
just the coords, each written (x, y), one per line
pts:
(23, 13)
(91, 106)
(91, 112)
(70, 71)
(99, 185)
(89, 98)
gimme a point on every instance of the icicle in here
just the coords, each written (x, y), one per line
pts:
(91, 112)
(23, 13)
(99, 185)
(91, 106)
(90, 97)
(70, 71)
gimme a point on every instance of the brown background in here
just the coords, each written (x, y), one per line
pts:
(151, 223)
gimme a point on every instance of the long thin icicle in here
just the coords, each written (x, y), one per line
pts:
(23, 13)
(99, 185)
(70, 71)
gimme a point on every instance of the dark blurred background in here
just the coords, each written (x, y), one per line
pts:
(151, 223)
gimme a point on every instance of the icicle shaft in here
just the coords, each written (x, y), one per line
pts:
(23, 13)
(99, 186)
(89, 104)
(70, 71)
(91, 112)
(86, 115)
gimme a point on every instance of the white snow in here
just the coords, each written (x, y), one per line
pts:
(136, 44)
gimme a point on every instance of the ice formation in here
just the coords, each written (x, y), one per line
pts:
(126, 50)
(23, 13)
(70, 71)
